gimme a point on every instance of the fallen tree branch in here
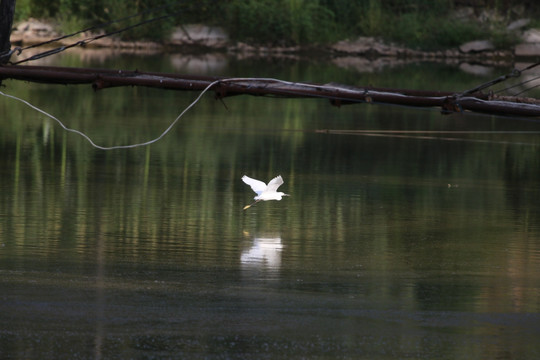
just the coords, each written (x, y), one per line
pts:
(338, 94)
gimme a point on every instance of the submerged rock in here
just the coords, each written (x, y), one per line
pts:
(199, 35)
(531, 44)
(527, 50)
(477, 46)
(531, 36)
(518, 24)
(371, 46)
(32, 31)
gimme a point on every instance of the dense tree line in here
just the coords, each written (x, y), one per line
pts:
(416, 23)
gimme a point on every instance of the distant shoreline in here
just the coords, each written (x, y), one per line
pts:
(200, 38)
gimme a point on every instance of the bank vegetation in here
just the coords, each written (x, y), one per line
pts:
(418, 24)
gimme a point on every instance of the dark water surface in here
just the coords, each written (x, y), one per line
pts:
(390, 246)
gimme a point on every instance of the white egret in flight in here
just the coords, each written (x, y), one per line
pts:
(264, 192)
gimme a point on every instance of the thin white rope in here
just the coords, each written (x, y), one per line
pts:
(118, 146)
(319, 87)
(175, 120)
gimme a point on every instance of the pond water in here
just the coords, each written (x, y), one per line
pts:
(391, 245)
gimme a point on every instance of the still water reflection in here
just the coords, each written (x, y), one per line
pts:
(263, 258)
(388, 247)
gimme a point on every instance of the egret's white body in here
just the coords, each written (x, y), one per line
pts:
(265, 192)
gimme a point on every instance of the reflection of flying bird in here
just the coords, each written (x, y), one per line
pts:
(264, 192)
(265, 253)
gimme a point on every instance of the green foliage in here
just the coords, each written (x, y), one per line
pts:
(75, 15)
(371, 20)
(255, 20)
(282, 22)
(25, 9)
(449, 33)
(423, 24)
(503, 39)
(310, 22)
(432, 32)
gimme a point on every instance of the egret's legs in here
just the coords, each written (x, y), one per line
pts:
(250, 205)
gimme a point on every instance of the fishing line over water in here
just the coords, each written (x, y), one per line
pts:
(388, 133)
(167, 129)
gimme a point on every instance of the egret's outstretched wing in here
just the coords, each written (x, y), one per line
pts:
(256, 185)
(274, 184)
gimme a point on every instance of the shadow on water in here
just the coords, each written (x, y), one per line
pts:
(388, 247)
